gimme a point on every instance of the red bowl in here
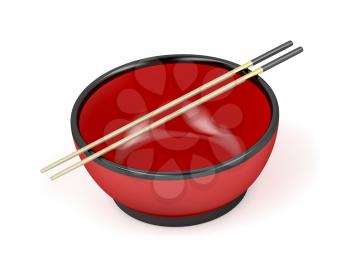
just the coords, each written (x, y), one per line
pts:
(192, 169)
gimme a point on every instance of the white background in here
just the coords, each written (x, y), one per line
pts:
(50, 51)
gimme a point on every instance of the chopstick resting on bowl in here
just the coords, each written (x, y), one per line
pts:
(174, 103)
(171, 104)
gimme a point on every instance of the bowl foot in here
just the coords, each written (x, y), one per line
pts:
(184, 220)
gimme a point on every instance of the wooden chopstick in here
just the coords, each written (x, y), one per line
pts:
(180, 111)
(170, 104)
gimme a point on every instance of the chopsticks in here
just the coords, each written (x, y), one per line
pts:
(171, 104)
(179, 111)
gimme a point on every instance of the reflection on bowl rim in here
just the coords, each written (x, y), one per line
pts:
(145, 174)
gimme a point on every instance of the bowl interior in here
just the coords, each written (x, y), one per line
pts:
(214, 132)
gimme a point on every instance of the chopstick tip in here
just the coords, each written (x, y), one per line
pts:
(52, 178)
(289, 43)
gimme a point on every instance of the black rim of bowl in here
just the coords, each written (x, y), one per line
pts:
(89, 90)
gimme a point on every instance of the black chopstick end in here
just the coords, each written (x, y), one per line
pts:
(282, 58)
(272, 52)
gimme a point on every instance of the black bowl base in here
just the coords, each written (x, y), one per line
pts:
(181, 221)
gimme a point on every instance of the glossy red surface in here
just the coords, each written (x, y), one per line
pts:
(204, 137)
(181, 197)
(212, 133)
